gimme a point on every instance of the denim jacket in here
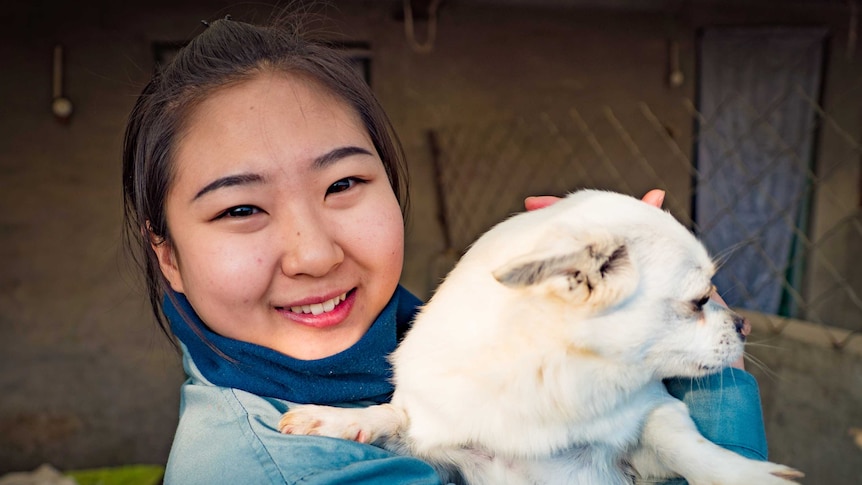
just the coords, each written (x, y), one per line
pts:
(230, 436)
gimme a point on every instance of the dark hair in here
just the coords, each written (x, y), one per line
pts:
(227, 52)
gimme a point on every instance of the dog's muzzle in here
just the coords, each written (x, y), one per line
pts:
(741, 325)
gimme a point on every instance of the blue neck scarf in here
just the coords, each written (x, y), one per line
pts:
(360, 373)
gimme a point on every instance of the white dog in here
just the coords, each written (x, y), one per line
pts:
(539, 360)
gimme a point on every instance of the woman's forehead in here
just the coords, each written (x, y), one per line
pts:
(284, 92)
(268, 108)
(270, 122)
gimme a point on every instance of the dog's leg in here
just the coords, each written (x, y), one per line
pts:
(671, 442)
(373, 424)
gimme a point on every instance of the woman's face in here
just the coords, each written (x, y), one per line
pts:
(284, 230)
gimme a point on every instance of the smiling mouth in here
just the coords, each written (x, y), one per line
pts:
(320, 308)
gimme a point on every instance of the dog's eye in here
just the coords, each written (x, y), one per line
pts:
(699, 304)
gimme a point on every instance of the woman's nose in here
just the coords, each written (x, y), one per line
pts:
(310, 248)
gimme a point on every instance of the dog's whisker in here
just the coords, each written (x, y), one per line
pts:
(762, 366)
(733, 376)
(725, 291)
(721, 257)
(763, 345)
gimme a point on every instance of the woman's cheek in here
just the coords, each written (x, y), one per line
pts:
(388, 239)
(236, 272)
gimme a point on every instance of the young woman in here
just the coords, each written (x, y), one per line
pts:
(264, 188)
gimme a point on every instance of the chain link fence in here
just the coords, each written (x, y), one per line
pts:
(485, 169)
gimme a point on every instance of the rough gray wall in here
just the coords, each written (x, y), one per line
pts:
(87, 379)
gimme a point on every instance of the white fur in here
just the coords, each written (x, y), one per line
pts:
(539, 361)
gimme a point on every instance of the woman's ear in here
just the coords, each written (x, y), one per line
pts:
(167, 260)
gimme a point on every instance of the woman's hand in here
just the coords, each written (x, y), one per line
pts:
(654, 197)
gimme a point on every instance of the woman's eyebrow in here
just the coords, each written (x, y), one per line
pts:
(229, 181)
(249, 178)
(337, 154)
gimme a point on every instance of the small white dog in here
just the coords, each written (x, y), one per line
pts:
(539, 360)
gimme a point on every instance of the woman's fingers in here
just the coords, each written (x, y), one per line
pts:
(539, 201)
(653, 197)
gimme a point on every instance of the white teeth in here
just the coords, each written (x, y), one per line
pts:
(318, 308)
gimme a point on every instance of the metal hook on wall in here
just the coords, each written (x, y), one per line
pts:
(61, 106)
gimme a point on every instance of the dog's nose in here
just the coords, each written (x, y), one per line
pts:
(741, 326)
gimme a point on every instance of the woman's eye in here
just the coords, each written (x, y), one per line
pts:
(241, 211)
(342, 185)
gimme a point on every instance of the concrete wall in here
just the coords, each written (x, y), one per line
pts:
(87, 378)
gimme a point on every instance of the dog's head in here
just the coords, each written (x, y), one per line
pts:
(619, 279)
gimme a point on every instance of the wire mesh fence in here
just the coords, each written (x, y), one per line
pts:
(812, 272)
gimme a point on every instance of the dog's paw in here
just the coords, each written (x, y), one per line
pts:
(328, 421)
(752, 472)
(788, 474)
(773, 474)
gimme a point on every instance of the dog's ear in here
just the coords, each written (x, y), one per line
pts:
(599, 271)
